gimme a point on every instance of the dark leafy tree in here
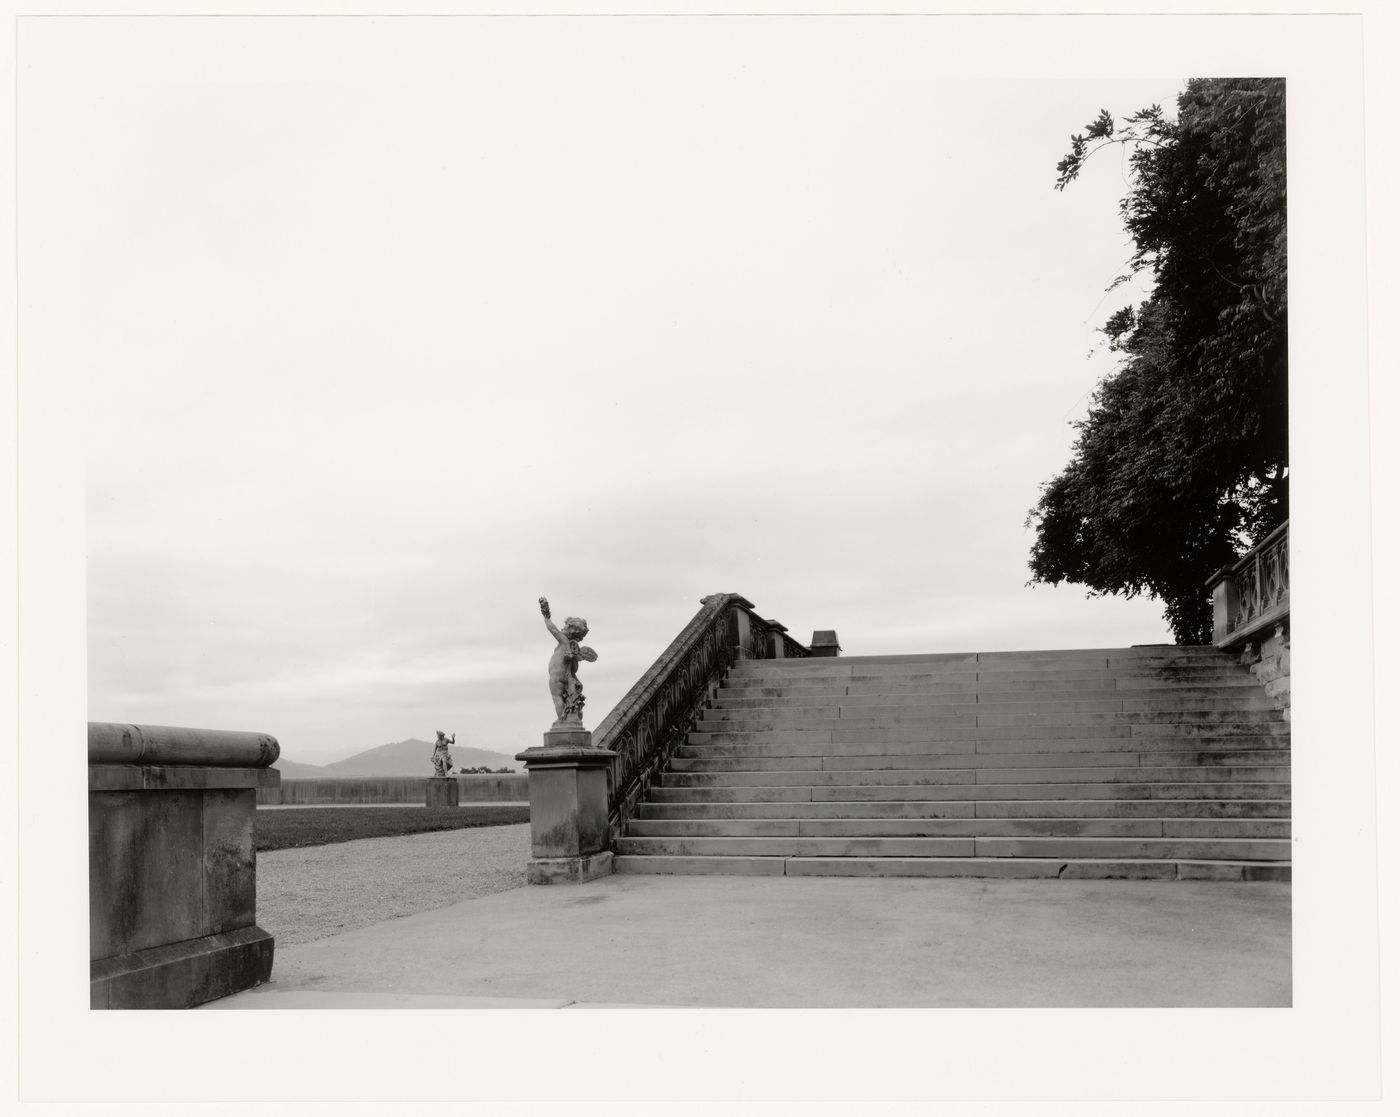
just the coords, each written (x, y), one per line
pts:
(1182, 458)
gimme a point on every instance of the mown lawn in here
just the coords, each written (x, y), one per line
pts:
(318, 826)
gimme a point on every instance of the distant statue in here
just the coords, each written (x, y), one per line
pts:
(564, 686)
(441, 758)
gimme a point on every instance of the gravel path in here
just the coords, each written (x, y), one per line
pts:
(311, 893)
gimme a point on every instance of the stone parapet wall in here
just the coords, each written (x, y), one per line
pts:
(513, 787)
(172, 872)
(1250, 601)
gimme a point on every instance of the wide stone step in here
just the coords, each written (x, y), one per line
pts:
(1134, 651)
(1281, 774)
(940, 776)
(1209, 849)
(890, 666)
(961, 827)
(1035, 868)
(1262, 807)
(994, 867)
(727, 721)
(658, 809)
(999, 661)
(1226, 686)
(919, 761)
(838, 709)
(1030, 868)
(853, 751)
(956, 792)
(701, 866)
(953, 681)
(1200, 849)
(797, 847)
(988, 808)
(916, 704)
(917, 732)
(1202, 743)
(871, 668)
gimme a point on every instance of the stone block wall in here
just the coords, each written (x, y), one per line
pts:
(507, 787)
(1267, 656)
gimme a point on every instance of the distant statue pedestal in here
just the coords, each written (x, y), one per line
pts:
(568, 808)
(443, 791)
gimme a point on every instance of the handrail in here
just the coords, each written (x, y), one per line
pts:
(1253, 593)
(660, 711)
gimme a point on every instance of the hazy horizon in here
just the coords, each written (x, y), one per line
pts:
(332, 757)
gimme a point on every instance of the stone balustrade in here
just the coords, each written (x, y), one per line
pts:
(1251, 595)
(1251, 607)
(584, 786)
(172, 871)
(662, 708)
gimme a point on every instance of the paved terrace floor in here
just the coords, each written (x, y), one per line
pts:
(747, 942)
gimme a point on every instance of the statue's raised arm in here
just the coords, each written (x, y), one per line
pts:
(549, 624)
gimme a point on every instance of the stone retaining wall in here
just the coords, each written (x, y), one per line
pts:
(505, 787)
(1267, 657)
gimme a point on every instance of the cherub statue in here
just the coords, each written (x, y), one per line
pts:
(441, 758)
(564, 686)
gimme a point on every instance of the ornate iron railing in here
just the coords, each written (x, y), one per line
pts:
(791, 648)
(660, 711)
(1253, 593)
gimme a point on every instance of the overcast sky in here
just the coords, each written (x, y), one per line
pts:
(377, 354)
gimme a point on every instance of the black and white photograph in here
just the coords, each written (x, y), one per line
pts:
(528, 514)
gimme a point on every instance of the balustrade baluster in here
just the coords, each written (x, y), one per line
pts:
(1254, 591)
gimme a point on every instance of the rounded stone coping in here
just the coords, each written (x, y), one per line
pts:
(116, 743)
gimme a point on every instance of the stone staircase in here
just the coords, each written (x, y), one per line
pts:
(1162, 763)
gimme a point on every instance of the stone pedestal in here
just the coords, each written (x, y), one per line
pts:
(568, 808)
(172, 885)
(1224, 602)
(443, 791)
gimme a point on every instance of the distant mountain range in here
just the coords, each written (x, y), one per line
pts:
(398, 758)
